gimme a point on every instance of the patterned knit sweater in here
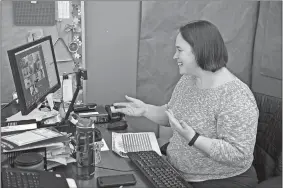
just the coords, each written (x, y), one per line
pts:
(228, 114)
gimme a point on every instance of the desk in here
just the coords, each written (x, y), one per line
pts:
(109, 160)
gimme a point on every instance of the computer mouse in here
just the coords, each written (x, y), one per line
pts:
(118, 125)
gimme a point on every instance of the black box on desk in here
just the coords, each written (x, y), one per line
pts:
(68, 128)
(98, 115)
(78, 108)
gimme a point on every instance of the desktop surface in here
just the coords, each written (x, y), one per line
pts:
(109, 160)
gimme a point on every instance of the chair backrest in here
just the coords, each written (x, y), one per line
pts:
(268, 148)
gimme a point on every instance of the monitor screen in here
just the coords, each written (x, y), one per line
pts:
(35, 72)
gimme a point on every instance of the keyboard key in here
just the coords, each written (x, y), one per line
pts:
(20, 179)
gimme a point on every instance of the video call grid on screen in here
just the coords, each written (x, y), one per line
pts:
(37, 71)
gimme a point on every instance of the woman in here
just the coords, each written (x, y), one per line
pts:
(212, 113)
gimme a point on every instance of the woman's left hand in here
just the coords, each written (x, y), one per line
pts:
(182, 127)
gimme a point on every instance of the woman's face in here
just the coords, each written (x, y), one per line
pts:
(185, 57)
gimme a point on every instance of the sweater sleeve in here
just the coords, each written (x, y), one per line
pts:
(236, 129)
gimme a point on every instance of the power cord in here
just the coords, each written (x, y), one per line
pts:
(111, 169)
(114, 169)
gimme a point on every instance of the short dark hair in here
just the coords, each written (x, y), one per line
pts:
(207, 43)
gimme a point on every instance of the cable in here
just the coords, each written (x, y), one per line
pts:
(114, 169)
(8, 103)
(110, 169)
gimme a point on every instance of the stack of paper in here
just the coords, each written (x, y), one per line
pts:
(56, 144)
(35, 114)
(58, 155)
(133, 142)
(37, 138)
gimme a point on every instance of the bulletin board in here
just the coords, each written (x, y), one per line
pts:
(69, 30)
(26, 13)
(75, 46)
(67, 33)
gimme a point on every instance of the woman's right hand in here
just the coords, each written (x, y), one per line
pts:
(134, 107)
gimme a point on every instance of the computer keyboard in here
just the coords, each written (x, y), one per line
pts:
(18, 179)
(157, 170)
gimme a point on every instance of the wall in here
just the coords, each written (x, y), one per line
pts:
(112, 43)
(1, 54)
(13, 36)
(267, 67)
(158, 72)
(112, 32)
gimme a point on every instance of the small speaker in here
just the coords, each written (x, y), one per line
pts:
(27, 13)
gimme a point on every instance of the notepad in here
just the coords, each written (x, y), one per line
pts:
(33, 136)
(134, 142)
(13, 126)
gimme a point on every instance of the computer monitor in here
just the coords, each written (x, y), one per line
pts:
(35, 72)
